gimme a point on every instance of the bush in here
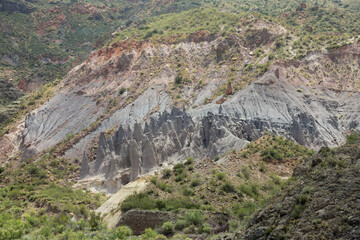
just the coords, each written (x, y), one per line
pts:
(195, 183)
(272, 154)
(188, 192)
(180, 225)
(249, 190)
(194, 218)
(69, 137)
(189, 161)
(178, 79)
(228, 187)
(145, 202)
(94, 221)
(243, 210)
(178, 169)
(122, 232)
(298, 211)
(139, 201)
(180, 178)
(153, 180)
(246, 172)
(166, 173)
(262, 167)
(122, 90)
(205, 228)
(164, 187)
(220, 175)
(167, 228)
(352, 138)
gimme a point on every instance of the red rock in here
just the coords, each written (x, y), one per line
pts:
(229, 89)
(220, 101)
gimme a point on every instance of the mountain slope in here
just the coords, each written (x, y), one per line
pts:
(166, 81)
(132, 80)
(322, 202)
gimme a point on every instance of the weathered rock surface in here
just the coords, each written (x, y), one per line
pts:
(267, 105)
(62, 115)
(110, 209)
(281, 102)
(139, 220)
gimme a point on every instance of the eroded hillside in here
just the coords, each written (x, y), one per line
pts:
(229, 89)
(193, 86)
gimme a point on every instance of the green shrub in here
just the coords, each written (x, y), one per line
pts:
(195, 183)
(122, 232)
(145, 202)
(245, 209)
(149, 234)
(122, 90)
(167, 228)
(178, 79)
(164, 187)
(139, 201)
(180, 225)
(272, 154)
(189, 161)
(246, 172)
(220, 175)
(153, 180)
(178, 169)
(69, 137)
(262, 167)
(94, 221)
(298, 210)
(194, 218)
(188, 192)
(181, 177)
(251, 190)
(205, 228)
(352, 138)
(228, 187)
(166, 173)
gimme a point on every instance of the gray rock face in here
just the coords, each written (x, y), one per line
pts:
(62, 115)
(267, 105)
(167, 138)
(276, 106)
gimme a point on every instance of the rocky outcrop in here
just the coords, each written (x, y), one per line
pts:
(321, 203)
(139, 220)
(165, 139)
(269, 104)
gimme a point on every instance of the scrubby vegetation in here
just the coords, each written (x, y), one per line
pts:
(39, 201)
(237, 187)
(277, 148)
(329, 174)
